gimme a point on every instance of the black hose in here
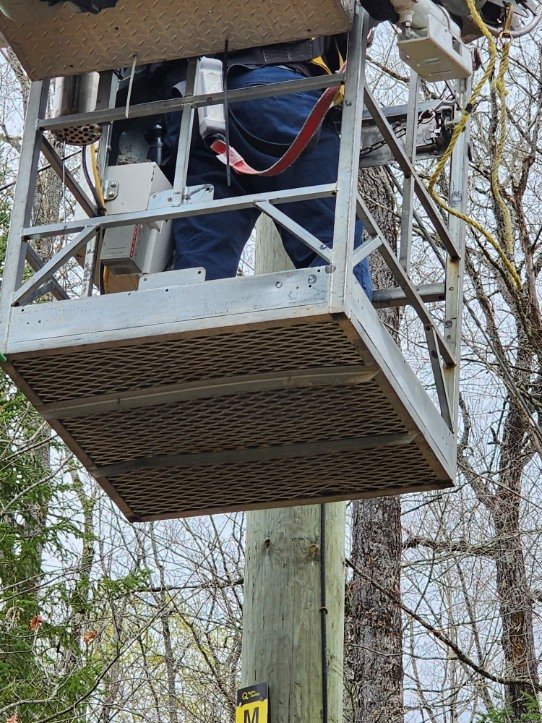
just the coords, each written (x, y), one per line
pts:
(226, 110)
(323, 614)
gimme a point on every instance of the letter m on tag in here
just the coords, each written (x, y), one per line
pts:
(251, 716)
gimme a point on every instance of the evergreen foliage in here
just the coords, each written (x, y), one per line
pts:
(532, 715)
(49, 601)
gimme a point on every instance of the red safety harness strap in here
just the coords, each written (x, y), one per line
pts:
(301, 141)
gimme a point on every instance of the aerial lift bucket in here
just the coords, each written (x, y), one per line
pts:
(185, 397)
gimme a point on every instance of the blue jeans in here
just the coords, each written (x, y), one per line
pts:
(216, 241)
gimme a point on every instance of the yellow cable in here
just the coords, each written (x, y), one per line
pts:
(106, 276)
(101, 197)
(96, 174)
(460, 127)
(500, 88)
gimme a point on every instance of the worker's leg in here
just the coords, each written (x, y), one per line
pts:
(261, 130)
(277, 121)
(214, 241)
(318, 166)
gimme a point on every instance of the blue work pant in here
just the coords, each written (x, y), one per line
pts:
(216, 241)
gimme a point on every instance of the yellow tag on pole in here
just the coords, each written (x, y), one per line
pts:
(253, 704)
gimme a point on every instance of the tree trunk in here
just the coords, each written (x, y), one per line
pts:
(374, 623)
(515, 601)
(169, 656)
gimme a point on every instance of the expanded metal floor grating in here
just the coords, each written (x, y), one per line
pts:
(153, 30)
(257, 419)
(187, 359)
(279, 483)
(269, 416)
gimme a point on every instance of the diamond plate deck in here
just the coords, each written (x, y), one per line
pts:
(304, 417)
(156, 30)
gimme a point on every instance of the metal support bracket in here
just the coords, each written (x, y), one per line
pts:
(40, 277)
(319, 248)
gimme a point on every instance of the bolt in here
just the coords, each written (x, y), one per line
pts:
(312, 279)
(278, 284)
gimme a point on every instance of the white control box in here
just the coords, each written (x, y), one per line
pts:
(140, 248)
(437, 54)
(209, 79)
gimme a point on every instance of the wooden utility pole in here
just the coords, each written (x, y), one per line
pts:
(288, 580)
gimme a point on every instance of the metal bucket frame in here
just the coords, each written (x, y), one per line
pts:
(94, 322)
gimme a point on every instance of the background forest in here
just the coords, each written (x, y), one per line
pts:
(105, 621)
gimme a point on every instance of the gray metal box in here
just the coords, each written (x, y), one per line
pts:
(140, 248)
